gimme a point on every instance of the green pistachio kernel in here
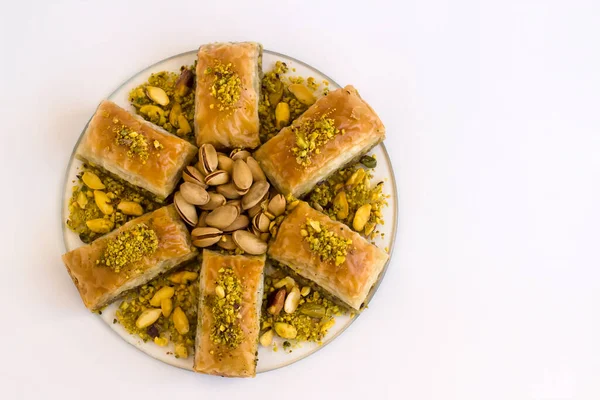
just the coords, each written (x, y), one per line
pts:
(330, 246)
(368, 161)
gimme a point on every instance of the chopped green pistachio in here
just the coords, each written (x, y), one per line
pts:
(226, 87)
(129, 246)
(328, 245)
(226, 329)
(311, 135)
(135, 142)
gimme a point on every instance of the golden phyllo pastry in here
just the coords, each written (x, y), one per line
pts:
(229, 314)
(335, 130)
(134, 150)
(129, 256)
(328, 253)
(227, 95)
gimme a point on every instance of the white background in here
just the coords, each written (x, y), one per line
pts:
(492, 112)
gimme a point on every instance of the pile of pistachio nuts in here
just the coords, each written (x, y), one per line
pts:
(228, 202)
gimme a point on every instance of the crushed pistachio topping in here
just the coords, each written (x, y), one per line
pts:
(313, 317)
(134, 141)
(330, 246)
(225, 305)
(83, 208)
(342, 194)
(176, 116)
(129, 246)
(273, 92)
(182, 293)
(226, 86)
(311, 135)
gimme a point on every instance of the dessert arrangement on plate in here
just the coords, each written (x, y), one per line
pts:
(223, 215)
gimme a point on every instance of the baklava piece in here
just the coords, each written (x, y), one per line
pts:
(134, 150)
(337, 129)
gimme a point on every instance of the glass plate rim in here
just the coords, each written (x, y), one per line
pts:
(394, 210)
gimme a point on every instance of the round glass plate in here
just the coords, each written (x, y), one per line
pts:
(268, 359)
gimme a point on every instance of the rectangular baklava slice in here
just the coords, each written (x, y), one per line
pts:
(229, 314)
(328, 253)
(134, 150)
(129, 257)
(227, 93)
(338, 128)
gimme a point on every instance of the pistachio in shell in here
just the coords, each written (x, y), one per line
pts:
(277, 205)
(249, 243)
(202, 219)
(205, 236)
(229, 191)
(256, 193)
(207, 159)
(261, 222)
(265, 236)
(193, 175)
(217, 178)
(237, 154)
(222, 217)
(227, 243)
(252, 211)
(216, 200)
(194, 193)
(241, 222)
(186, 210)
(237, 203)
(242, 175)
(257, 172)
(225, 163)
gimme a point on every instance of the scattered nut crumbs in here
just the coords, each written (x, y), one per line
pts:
(274, 91)
(83, 208)
(311, 135)
(129, 246)
(225, 305)
(327, 244)
(226, 86)
(163, 331)
(177, 117)
(354, 182)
